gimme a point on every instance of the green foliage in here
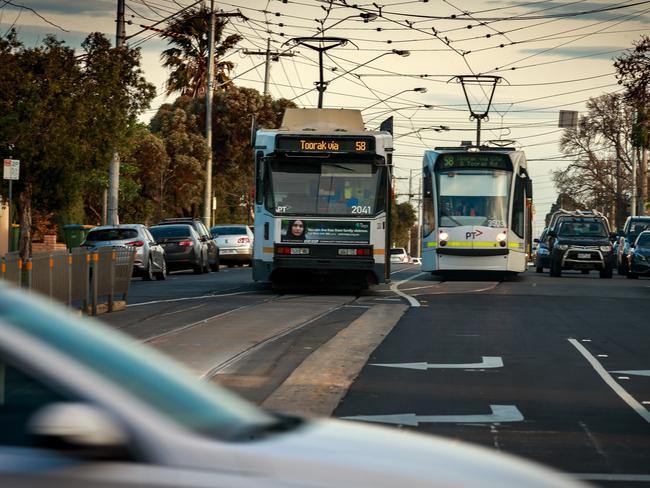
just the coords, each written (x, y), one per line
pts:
(63, 115)
(188, 35)
(403, 217)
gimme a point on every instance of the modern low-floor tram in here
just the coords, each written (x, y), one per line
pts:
(477, 210)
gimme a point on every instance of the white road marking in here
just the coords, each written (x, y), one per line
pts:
(623, 378)
(394, 288)
(500, 413)
(634, 372)
(603, 355)
(607, 378)
(403, 269)
(586, 340)
(200, 297)
(611, 477)
(488, 362)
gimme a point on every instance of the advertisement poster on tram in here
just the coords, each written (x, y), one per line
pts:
(325, 231)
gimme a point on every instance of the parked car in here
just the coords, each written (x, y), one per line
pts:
(398, 255)
(208, 242)
(235, 243)
(638, 257)
(83, 405)
(183, 247)
(540, 254)
(631, 229)
(149, 257)
(581, 242)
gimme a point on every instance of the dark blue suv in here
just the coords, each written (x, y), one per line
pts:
(631, 230)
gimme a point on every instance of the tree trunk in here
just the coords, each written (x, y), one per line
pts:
(643, 197)
(25, 240)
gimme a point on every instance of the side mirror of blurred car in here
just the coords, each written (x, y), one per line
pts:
(552, 233)
(536, 241)
(80, 429)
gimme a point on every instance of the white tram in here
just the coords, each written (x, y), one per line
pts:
(320, 204)
(477, 210)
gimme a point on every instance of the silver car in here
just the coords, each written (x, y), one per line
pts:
(149, 257)
(235, 243)
(84, 406)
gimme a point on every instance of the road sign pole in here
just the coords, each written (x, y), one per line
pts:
(9, 208)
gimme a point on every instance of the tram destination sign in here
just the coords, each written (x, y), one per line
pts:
(478, 160)
(325, 144)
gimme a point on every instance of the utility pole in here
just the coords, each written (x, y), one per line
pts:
(114, 168)
(270, 56)
(410, 193)
(207, 196)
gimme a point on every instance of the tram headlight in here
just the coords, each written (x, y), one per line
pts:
(501, 237)
(443, 236)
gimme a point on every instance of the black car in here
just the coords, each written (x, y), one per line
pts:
(208, 241)
(631, 230)
(581, 243)
(183, 247)
(541, 254)
(638, 257)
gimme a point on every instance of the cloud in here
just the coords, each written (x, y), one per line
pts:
(553, 8)
(74, 7)
(593, 52)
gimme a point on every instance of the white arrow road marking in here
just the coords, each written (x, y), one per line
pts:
(637, 372)
(500, 413)
(488, 362)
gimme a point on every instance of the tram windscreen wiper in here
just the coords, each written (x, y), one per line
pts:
(444, 214)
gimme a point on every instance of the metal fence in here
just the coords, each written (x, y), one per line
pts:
(80, 279)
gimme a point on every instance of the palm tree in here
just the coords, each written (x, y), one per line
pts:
(187, 58)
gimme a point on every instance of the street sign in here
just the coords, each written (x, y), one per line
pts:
(11, 169)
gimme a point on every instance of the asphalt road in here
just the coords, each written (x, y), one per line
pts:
(556, 370)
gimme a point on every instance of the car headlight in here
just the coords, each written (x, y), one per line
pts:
(606, 248)
(562, 247)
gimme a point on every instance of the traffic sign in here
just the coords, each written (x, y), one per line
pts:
(11, 169)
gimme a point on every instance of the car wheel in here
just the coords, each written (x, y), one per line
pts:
(606, 273)
(632, 276)
(147, 274)
(162, 274)
(556, 270)
(539, 269)
(584, 271)
(215, 267)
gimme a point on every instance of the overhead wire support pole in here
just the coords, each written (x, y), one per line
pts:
(270, 56)
(112, 213)
(207, 195)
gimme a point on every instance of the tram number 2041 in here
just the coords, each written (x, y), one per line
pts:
(361, 209)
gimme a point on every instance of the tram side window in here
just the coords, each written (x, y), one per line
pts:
(519, 207)
(428, 216)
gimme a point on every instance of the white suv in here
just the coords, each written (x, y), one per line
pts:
(398, 255)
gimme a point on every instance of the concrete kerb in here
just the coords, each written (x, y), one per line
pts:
(317, 386)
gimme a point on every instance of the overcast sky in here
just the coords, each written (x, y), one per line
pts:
(552, 55)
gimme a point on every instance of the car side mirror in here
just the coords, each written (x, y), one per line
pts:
(552, 234)
(84, 429)
(536, 241)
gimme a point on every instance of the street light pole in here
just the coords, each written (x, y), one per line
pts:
(207, 195)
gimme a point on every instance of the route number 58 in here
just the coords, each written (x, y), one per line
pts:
(360, 145)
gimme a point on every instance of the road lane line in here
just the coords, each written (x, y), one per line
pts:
(499, 413)
(394, 288)
(611, 382)
(487, 363)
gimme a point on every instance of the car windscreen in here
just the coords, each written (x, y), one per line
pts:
(397, 251)
(582, 229)
(141, 371)
(167, 231)
(636, 228)
(111, 234)
(643, 240)
(228, 231)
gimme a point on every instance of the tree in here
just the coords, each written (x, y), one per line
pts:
(599, 176)
(187, 59)
(403, 217)
(633, 71)
(62, 116)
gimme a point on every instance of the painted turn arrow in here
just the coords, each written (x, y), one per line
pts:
(637, 372)
(488, 362)
(500, 413)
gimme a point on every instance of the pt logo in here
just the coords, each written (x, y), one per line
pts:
(473, 235)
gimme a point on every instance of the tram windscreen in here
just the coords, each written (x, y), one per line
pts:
(473, 197)
(325, 188)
